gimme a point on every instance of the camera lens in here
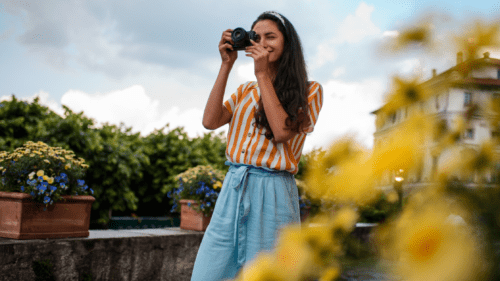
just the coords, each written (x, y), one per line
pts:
(238, 35)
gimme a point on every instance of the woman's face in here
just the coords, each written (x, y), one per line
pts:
(270, 38)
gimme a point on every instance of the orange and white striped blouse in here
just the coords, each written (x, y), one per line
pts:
(247, 144)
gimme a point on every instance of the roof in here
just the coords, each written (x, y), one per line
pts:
(463, 69)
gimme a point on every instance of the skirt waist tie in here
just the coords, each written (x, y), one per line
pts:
(240, 180)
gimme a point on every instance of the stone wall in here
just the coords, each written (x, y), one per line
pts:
(150, 254)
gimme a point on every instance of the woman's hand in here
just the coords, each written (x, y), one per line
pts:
(260, 56)
(228, 56)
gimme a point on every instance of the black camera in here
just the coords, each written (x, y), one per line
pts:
(241, 38)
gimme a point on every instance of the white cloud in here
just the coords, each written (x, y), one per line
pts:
(358, 26)
(346, 110)
(246, 72)
(390, 33)
(338, 71)
(325, 53)
(353, 29)
(136, 109)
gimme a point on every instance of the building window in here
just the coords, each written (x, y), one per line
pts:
(469, 134)
(467, 99)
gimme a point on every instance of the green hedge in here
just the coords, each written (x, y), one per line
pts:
(128, 173)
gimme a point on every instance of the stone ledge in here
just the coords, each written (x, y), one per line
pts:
(135, 254)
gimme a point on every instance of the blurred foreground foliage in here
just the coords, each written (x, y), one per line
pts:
(447, 228)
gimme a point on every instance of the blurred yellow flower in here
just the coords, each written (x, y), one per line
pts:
(342, 174)
(45, 177)
(260, 269)
(39, 173)
(85, 166)
(392, 197)
(68, 157)
(405, 149)
(46, 161)
(67, 166)
(50, 180)
(330, 274)
(293, 255)
(217, 185)
(426, 244)
(476, 36)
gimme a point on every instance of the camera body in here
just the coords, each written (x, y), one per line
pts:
(241, 38)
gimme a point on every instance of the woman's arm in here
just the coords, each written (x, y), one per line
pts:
(275, 113)
(216, 114)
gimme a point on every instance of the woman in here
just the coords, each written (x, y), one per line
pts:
(268, 121)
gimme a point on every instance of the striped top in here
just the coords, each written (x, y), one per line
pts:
(247, 144)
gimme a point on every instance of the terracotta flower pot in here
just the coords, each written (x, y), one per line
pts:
(22, 218)
(191, 219)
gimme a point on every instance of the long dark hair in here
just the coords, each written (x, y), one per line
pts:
(291, 81)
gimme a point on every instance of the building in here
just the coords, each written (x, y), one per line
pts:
(474, 83)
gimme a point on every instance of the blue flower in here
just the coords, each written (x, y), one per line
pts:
(208, 204)
(46, 199)
(52, 188)
(40, 178)
(45, 184)
(57, 178)
(168, 194)
(22, 188)
(80, 182)
(189, 204)
(64, 177)
(41, 188)
(63, 185)
(32, 194)
(91, 191)
(85, 187)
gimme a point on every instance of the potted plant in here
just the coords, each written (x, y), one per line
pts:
(195, 196)
(43, 194)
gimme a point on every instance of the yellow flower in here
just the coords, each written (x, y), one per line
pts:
(217, 185)
(85, 166)
(259, 269)
(418, 34)
(404, 93)
(46, 161)
(341, 174)
(67, 166)
(39, 173)
(50, 180)
(68, 157)
(392, 197)
(330, 274)
(45, 177)
(426, 244)
(477, 36)
(31, 175)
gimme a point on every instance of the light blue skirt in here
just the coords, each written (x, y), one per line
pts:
(253, 205)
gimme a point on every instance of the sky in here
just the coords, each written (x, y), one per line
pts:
(149, 63)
